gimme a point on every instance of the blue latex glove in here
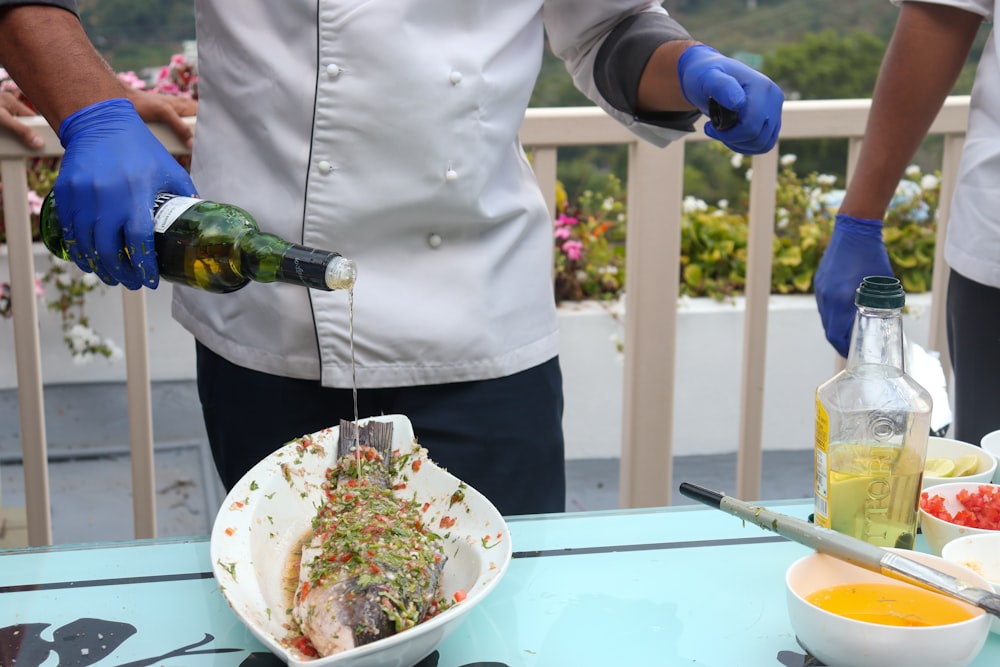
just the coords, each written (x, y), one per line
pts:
(705, 74)
(112, 170)
(856, 251)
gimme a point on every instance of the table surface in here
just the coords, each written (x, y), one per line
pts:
(671, 586)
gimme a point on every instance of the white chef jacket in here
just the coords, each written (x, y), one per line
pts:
(387, 131)
(972, 245)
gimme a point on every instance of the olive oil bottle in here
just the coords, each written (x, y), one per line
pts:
(872, 425)
(219, 248)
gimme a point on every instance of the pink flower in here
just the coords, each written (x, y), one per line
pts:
(562, 233)
(565, 221)
(34, 202)
(573, 249)
(131, 80)
(39, 288)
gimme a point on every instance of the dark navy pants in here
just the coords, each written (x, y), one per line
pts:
(503, 437)
(973, 315)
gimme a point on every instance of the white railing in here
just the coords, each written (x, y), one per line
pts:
(655, 187)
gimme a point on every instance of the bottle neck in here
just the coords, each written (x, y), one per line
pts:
(877, 337)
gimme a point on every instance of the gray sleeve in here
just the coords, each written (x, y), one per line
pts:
(622, 58)
(68, 5)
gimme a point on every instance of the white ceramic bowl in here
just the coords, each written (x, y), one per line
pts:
(981, 554)
(844, 642)
(266, 514)
(948, 448)
(938, 532)
(991, 443)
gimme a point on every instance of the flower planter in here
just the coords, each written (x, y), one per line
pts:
(708, 374)
(709, 365)
(171, 347)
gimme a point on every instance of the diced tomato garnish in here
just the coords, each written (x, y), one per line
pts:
(446, 522)
(230, 531)
(416, 465)
(305, 647)
(980, 508)
(460, 595)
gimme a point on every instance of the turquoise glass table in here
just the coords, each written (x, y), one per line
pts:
(674, 586)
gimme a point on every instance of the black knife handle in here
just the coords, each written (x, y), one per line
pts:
(722, 118)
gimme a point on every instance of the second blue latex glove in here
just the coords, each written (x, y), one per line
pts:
(705, 74)
(856, 250)
(112, 170)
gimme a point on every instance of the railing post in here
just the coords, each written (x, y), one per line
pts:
(652, 280)
(27, 350)
(140, 413)
(760, 248)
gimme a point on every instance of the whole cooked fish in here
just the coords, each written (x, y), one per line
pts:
(371, 568)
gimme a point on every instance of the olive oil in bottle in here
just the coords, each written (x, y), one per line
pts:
(872, 425)
(219, 248)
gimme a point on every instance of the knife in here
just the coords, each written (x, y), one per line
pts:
(722, 117)
(847, 548)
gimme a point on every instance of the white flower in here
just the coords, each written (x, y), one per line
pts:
(788, 159)
(90, 280)
(929, 182)
(621, 217)
(64, 280)
(608, 204)
(723, 203)
(749, 174)
(692, 204)
(782, 214)
(912, 171)
(828, 180)
(736, 160)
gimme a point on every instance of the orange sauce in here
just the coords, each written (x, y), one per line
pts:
(890, 604)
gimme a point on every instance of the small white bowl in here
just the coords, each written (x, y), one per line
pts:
(939, 532)
(844, 642)
(947, 448)
(981, 554)
(991, 443)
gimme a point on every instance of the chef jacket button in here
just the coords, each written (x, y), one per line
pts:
(325, 167)
(450, 175)
(434, 240)
(333, 69)
(455, 77)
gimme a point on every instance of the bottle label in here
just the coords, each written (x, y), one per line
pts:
(822, 466)
(167, 208)
(306, 266)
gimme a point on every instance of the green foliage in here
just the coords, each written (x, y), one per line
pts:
(826, 65)
(590, 237)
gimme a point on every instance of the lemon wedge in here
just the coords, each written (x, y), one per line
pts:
(965, 465)
(939, 467)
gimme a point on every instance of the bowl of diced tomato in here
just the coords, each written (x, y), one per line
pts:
(950, 511)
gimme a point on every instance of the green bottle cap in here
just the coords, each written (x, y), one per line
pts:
(880, 292)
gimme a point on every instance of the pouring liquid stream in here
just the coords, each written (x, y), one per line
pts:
(354, 375)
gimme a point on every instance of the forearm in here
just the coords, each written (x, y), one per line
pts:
(925, 56)
(46, 51)
(659, 87)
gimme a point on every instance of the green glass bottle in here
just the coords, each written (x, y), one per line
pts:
(219, 248)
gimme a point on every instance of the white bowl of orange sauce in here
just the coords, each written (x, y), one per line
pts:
(847, 616)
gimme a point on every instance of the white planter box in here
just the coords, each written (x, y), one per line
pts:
(708, 374)
(171, 348)
(709, 365)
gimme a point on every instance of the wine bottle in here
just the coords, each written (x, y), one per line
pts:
(220, 248)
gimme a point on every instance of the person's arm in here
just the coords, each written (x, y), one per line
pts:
(113, 167)
(649, 67)
(46, 51)
(929, 46)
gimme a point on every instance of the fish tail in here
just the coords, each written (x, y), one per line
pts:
(371, 444)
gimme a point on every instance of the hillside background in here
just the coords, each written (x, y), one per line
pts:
(814, 49)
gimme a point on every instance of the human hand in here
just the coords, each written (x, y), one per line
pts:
(706, 75)
(856, 250)
(10, 108)
(167, 109)
(111, 171)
